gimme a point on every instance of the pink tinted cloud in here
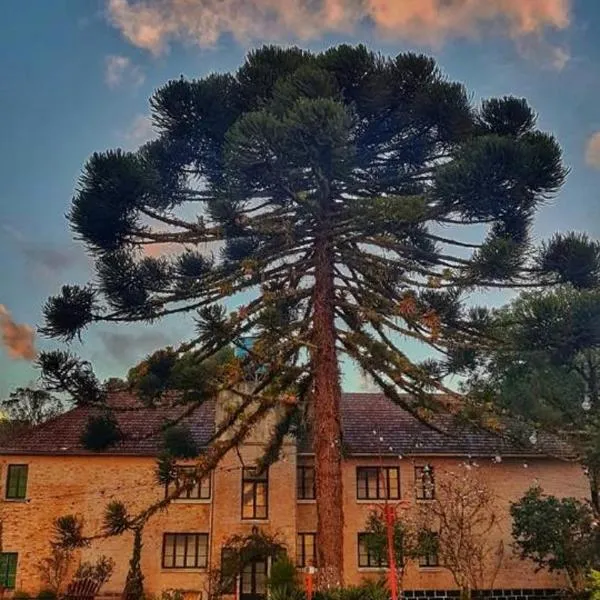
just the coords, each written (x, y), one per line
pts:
(152, 24)
(17, 339)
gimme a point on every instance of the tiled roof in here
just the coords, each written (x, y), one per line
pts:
(142, 428)
(371, 423)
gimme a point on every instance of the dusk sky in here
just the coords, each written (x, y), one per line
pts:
(76, 76)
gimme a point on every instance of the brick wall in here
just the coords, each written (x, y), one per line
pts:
(84, 485)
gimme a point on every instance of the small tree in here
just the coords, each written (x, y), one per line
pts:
(134, 583)
(54, 569)
(463, 515)
(556, 534)
(99, 572)
(406, 536)
(68, 537)
(31, 406)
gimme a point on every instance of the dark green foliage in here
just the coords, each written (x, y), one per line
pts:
(179, 442)
(101, 432)
(190, 374)
(21, 595)
(70, 313)
(283, 574)
(68, 532)
(556, 534)
(134, 583)
(116, 518)
(165, 468)
(47, 595)
(63, 372)
(574, 257)
(245, 549)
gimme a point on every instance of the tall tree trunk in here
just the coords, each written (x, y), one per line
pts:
(326, 424)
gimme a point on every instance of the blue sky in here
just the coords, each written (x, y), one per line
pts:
(76, 77)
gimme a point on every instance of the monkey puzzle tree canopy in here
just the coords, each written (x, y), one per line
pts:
(357, 198)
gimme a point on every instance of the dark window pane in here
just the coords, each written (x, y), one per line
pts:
(185, 550)
(305, 482)
(228, 573)
(16, 482)
(376, 483)
(255, 494)
(306, 550)
(367, 558)
(424, 483)
(8, 569)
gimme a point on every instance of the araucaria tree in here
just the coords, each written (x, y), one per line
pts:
(343, 187)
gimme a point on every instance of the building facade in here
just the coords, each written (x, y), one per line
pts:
(47, 474)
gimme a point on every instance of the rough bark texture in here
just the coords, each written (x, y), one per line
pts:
(326, 425)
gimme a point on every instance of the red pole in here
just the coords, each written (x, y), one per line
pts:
(308, 580)
(392, 574)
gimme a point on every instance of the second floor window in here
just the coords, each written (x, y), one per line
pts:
(16, 482)
(191, 488)
(306, 550)
(185, 551)
(366, 558)
(424, 483)
(377, 483)
(255, 494)
(305, 482)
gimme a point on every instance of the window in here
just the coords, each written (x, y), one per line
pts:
(16, 482)
(305, 482)
(8, 569)
(185, 551)
(366, 558)
(228, 574)
(255, 494)
(431, 542)
(424, 483)
(306, 550)
(200, 489)
(376, 483)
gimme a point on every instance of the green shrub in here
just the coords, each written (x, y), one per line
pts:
(286, 592)
(101, 431)
(20, 595)
(283, 574)
(179, 442)
(47, 595)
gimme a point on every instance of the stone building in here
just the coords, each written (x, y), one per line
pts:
(47, 473)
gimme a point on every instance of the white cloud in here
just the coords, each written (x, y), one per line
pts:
(592, 150)
(120, 70)
(152, 24)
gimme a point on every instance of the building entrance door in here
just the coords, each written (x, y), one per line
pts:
(254, 581)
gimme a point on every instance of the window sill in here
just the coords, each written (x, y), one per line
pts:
(191, 501)
(372, 569)
(250, 521)
(377, 500)
(17, 500)
(184, 570)
(431, 569)
(306, 501)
